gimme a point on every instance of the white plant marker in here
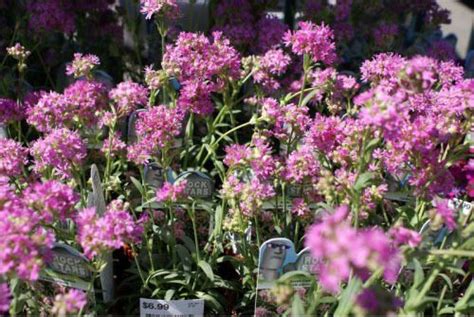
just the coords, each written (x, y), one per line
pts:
(97, 200)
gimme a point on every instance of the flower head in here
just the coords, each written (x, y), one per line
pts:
(5, 297)
(99, 234)
(128, 96)
(314, 40)
(13, 157)
(159, 8)
(82, 65)
(61, 150)
(69, 303)
(52, 200)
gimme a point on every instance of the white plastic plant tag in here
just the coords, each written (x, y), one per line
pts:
(162, 308)
(3, 132)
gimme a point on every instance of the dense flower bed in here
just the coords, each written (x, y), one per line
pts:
(162, 165)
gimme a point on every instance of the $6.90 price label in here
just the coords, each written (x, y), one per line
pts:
(174, 308)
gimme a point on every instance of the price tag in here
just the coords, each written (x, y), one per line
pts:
(175, 308)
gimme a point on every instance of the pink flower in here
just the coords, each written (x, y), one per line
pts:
(314, 40)
(300, 208)
(171, 192)
(99, 234)
(113, 145)
(401, 236)
(343, 249)
(25, 245)
(270, 32)
(10, 111)
(69, 303)
(13, 158)
(237, 154)
(127, 97)
(159, 8)
(202, 67)
(51, 16)
(271, 65)
(383, 66)
(62, 150)
(446, 213)
(51, 200)
(5, 297)
(302, 165)
(156, 129)
(82, 65)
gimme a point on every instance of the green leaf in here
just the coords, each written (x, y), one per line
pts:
(297, 307)
(207, 269)
(347, 297)
(309, 96)
(137, 184)
(210, 300)
(363, 181)
(419, 274)
(169, 294)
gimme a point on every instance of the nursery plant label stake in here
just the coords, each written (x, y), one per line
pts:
(3, 132)
(98, 200)
(175, 308)
(198, 185)
(68, 268)
(154, 175)
(132, 129)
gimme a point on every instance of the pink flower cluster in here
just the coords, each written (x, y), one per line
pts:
(270, 66)
(51, 200)
(159, 8)
(13, 158)
(343, 249)
(69, 303)
(25, 245)
(82, 65)
(170, 192)
(156, 130)
(10, 111)
(62, 150)
(202, 67)
(247, 26)
(127, 96)
(317, 41)
(99, 234)
(5, 297)
(77, 107)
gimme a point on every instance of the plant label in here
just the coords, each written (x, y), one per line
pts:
(68, 268)
(154, 175)
(198, 185)
(172, 308)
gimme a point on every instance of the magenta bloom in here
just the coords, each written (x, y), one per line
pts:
(344, 249)
(113, 145)
(82, 65)
(127, 97)
(25, 245)
(237, 154)
(271, 65)
(159, 8)
(12, 158)
(302, 165)
(383, 66)
(171, 192)
(52, 200)
(86, 99)
(62, 150)
(156, 129)
(5, 297)
(51, 16)
(69, 303)
(314, 40)
(202, 67)
(446, 213)
(10, 111)
(403, 236)
(109, 232)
